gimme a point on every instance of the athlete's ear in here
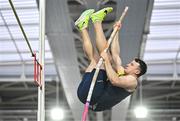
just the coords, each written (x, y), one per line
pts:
(137, 71)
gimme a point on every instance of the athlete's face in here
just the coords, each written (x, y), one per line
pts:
(132, 68)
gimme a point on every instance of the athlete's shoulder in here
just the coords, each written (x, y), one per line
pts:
(133, 80)
(131, 77)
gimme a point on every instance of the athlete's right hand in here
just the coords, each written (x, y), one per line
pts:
(118, 25)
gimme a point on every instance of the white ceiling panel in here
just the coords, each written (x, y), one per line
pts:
(159, 56)
(22, 45)
(1, 21)
(48, 55)
(7, 46)
(162, 45)
(4, 33)
(25, 16)
(18, 3)
(31, 31)
(8, 16)
(27, 56)
(26, 3)
(167, 3)
(9, 57)
(173, 29)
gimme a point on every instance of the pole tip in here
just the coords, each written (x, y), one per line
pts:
(126, 8)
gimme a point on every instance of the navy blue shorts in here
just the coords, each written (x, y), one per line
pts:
(99, 88)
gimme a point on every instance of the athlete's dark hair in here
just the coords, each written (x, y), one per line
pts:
(142, 66)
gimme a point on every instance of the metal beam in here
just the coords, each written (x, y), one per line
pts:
(161, 110)
(162, 102)
(22, 80)
(19, 8)
(25, 24)
(166, 7)
(155, 83)
(18, 89)
(162, 96)
(162, 78)
(27, 111)
(29, 96)
(7, 85)
(158, 88)
(22, 52)
(27, 62)
(165, 50)
(160, 23)
(34, 88)
(29, 114)
(160, 62)
(11, 117)
(165, 37)
(19, 39)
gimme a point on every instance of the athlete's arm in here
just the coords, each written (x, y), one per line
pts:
(115, 50)
(126, 82)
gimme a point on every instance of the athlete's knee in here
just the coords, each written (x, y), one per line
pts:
(93, 62)
(79, 92)
(83, 87)
(91, 66)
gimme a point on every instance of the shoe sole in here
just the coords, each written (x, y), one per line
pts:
(83, 16)
(103, 10)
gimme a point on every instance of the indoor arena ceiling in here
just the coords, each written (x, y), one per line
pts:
(155, 38)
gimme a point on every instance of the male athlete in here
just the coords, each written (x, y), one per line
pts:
(114, 82)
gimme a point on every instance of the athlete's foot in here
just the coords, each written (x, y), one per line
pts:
(83, 20)
(100, 15)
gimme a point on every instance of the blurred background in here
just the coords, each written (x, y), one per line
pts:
(150, 31)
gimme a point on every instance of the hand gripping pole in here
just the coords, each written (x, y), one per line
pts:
(86, 107)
